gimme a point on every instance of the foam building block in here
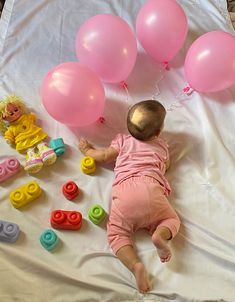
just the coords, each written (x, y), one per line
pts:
(88, 165)
(96, 214)
(8, 168)
(25, 194)
(49, 240)
(70, 190)
(67, 220)
(57, 145)
(9, 231)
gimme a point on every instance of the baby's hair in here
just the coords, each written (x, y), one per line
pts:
(145, 119)
(3, 104)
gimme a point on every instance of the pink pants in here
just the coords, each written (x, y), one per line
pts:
(138, 203)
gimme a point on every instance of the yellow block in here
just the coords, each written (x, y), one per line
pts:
(88, 165)
(25, 194)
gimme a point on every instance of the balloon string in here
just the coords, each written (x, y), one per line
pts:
(184, 95)
(173, 106)
(101, 119)
(157, 91)
(162, 74)
(124, 85)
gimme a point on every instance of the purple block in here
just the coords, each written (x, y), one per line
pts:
(9, 231)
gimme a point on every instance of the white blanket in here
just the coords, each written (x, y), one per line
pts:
(38, 35)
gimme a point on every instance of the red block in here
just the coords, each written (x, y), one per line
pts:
(70, 190)
(66, 220)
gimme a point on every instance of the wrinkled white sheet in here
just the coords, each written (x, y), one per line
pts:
(34, 37)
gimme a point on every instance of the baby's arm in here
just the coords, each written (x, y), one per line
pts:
(100, 155)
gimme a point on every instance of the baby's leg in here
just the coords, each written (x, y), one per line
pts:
(165, 231)
(128, 256)
(127, 209)
(167, 222)
(160, 238)
(119, 235)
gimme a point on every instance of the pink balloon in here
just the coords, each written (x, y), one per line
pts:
(161, 27)
(210, 62)
(73, 94)
(107, 45)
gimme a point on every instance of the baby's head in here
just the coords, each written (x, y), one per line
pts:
(145, 119)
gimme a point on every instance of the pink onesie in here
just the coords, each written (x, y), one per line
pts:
(140, 190)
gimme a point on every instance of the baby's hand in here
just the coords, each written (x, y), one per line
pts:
(84, 145)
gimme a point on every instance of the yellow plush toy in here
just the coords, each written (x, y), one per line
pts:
(19, 130)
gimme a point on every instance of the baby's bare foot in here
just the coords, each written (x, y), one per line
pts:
(163, 249)
(141, 276)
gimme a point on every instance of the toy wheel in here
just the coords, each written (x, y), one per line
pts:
(58, 216)
(97, 212)
(49, 237)
(32, 188)
(17, 196)
(74, 217)
(12, 164)
(89, 162)
(2, 171)
(10, 229)
(70, 187)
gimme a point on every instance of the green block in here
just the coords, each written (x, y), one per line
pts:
(96, 214)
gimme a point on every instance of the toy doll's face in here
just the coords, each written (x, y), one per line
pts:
(12, 113)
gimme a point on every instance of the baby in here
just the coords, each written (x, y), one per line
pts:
(140, 189)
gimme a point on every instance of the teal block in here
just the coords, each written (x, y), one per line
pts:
(57, 145)
(49, 240)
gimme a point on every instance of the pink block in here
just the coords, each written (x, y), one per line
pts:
(8, 168)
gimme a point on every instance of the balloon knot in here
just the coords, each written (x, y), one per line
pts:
(102, 120)
(166, 65)
(188, 90)
(123, 84)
